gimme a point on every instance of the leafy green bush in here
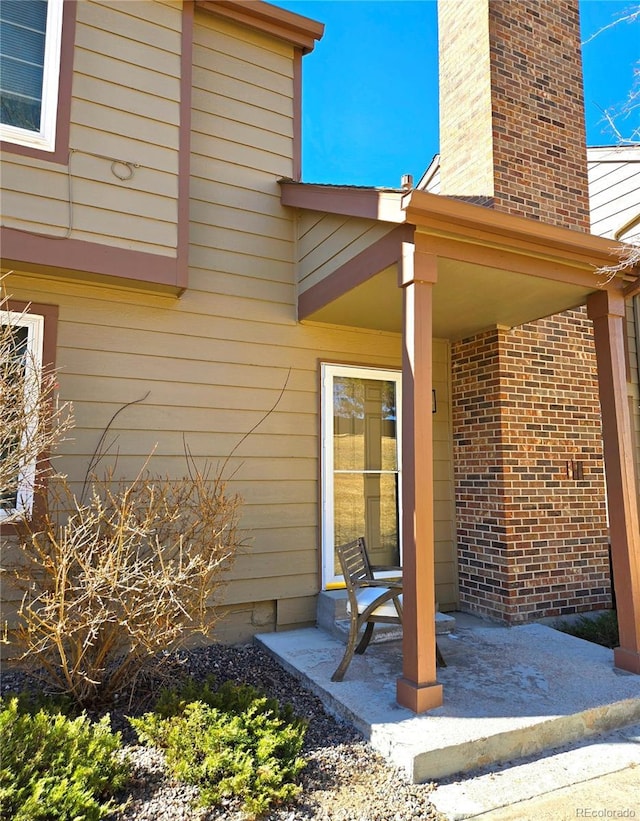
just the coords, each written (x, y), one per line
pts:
(229, 742)
(54, 768)
(601, 629)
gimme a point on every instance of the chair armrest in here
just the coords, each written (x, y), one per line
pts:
(386, 568)
(380, 583)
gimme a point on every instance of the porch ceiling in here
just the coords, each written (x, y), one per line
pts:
(468, 298)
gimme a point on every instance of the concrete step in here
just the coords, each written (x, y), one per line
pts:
(544, 775)
(509, 693)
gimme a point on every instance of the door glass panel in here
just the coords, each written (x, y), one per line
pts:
(365, 465)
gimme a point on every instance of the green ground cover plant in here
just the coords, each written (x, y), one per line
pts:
(55, 768)
(228, 742)
(601, 629)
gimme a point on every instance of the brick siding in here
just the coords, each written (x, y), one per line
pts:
(532, 529)
(540, 153)
(511, 107)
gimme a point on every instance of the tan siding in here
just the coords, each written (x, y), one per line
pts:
(228, 355)
(294, 612)
(330, 242)
(125, 104)
(115, 346)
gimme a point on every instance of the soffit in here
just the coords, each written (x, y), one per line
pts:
(468, 299)
(493, 269)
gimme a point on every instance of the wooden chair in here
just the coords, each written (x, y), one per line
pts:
(371, 601)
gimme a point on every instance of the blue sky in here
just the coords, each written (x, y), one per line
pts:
(370, 86)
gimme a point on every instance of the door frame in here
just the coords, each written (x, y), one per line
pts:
(330, 578)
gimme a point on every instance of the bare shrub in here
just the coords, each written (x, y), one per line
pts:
(33, 421)
(113, 581)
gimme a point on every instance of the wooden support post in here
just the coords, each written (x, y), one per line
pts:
(418, 689)
(607, 310)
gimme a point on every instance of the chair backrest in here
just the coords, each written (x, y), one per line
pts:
(354, 562)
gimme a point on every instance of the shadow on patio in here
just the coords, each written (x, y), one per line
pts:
(509, 692)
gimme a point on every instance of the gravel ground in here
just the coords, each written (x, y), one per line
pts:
(345, 780)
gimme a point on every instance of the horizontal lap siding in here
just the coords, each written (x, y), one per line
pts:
(327, 241)
(242, 275)
(125, 104)
(614, 190)
(229, 354)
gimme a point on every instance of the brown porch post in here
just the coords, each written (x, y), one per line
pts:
(417, 689)
(607, 311)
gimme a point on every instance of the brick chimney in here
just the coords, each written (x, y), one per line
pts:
(530, 504)
(512, 107)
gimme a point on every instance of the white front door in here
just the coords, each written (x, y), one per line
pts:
(361, 470)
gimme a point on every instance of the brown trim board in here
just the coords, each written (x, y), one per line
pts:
(378, 256)
(300, 31)
(184, 147)
(22, 250)
(297, 114)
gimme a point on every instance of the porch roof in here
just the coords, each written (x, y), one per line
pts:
(493, 269)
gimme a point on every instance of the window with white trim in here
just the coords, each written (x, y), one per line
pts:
(20, 379)
(30, 40)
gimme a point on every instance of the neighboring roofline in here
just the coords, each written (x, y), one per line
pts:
(595, 153)
(384, 204)
(301, 32)
(431, 170)
(613, 153)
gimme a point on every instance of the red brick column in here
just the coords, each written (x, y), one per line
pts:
(532, 529)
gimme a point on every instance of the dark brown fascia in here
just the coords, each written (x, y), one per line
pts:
(346, 200)
(447, 215)
(301, 32)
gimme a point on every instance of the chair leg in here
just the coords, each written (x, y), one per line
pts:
(348, 653)
(366, 638)
(440, 662)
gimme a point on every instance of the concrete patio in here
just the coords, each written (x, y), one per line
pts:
(509, 693)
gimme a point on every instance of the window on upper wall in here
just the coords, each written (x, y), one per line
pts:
(21, 354)
(30, 40)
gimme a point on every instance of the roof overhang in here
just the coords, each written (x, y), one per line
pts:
(494, 269)
(301, 32)
(383, 204)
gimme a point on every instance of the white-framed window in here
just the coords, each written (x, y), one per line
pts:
(22, 366)
(361, 464)
(30, 41)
